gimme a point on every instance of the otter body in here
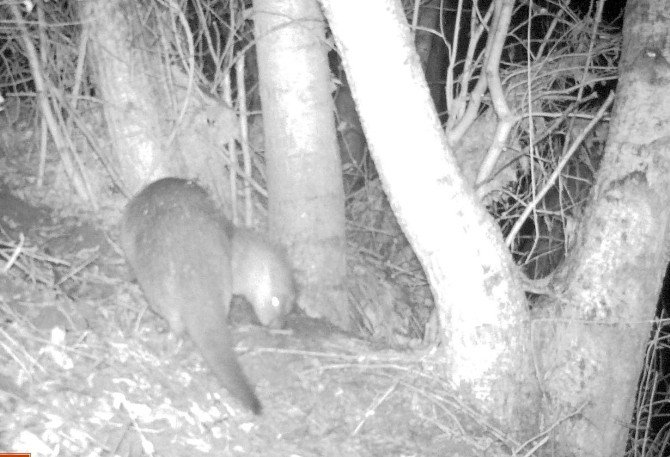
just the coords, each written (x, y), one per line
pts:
(179, 247)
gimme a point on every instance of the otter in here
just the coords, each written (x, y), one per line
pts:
(179, 247)
(262, 276)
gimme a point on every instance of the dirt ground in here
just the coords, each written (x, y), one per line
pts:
(89, 370)
(86, 369)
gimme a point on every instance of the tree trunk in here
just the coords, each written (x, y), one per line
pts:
(481, 305)
(306, 195)
(431, 49)
(159, 125)
(609, 286)
(122, 72)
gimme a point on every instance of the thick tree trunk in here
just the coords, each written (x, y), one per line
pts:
(611, 282)
(306, 196)
(123, 80)
(159, 126)
(481, 304)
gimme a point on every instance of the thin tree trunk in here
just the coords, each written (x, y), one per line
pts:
(611, 281)
(481, 305)
(306, 195)
(431, 49)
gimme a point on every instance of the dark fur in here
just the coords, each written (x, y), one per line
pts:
(177, 244)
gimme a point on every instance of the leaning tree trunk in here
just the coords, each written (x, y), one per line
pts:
(481, 305)
(611, 282)
(306, 195)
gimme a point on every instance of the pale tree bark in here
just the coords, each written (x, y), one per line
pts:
(306, 195)
(608, 288)
(159, 122)
(122, 73)
(481, 305)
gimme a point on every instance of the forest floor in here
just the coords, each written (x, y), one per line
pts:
(86, 369)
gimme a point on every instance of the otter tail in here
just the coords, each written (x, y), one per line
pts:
(212, 336)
